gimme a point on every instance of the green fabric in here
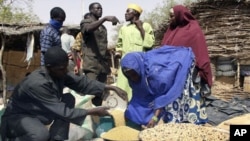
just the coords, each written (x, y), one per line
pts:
(130, 40)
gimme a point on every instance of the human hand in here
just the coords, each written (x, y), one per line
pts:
(120, 92)
(151, 123)
(118, 54)
(112, 19)
(76, 70)
(99, 111)
(138, 24)
(70, 56)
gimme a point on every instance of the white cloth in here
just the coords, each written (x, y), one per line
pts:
(30, 48)
(67, 42)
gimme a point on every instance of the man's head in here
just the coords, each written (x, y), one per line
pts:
(58, 14)
(87, 16)
(133, 12)
(95, 9)
(56, 62)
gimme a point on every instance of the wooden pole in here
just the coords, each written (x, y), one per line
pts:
(2, 70)
(83, 12)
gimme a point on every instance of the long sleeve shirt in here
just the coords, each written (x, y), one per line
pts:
(38, 95)
(130, 40)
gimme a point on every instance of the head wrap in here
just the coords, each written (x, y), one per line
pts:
(135, 7)
(55, 56)
(187, 32)
(56, 24)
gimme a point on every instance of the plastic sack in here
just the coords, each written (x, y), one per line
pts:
(86, 130)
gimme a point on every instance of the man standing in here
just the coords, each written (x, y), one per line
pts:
(67, 43)
(50, 35)
(77, 49)
(38, 101)
(135, 36)
(95, 53)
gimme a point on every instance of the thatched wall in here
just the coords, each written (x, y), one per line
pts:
(226, 26)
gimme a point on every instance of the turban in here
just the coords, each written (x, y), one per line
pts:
(55, 56)
(135, 7)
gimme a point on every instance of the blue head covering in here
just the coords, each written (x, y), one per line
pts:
(135, 61)
(139, 109)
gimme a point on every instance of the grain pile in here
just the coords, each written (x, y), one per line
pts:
(121, 133)
(183, 132)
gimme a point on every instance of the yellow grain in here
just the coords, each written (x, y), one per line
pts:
(118, 116)
(121, 133)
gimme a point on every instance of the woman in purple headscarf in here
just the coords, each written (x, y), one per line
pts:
(161, 86)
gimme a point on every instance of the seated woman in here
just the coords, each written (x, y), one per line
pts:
(161, 82)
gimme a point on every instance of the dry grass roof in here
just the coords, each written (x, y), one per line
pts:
(14, 29)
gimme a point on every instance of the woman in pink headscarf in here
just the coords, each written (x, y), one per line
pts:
(184, 30)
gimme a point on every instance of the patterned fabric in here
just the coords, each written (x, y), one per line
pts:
(189, 107)
(49, 37)
(78, 42)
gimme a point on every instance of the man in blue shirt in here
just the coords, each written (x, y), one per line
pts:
(50, 35)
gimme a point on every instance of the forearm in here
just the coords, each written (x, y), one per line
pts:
(109, 87)
(74, 55)
(94, 25)
(121, 93)
(156, 115)
(157, 112)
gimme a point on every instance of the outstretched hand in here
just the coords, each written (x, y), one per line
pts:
(112, 19)
(123, 94)
(120, 92)
(99, 111)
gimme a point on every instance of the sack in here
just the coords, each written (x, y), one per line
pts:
(205, 90)
(86, 130)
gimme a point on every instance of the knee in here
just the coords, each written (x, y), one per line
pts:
(42, 135)
(69, 99)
